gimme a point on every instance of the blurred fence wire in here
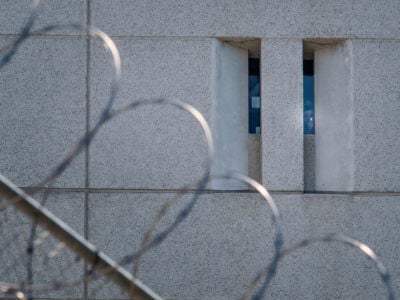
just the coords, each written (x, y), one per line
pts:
(40, 255)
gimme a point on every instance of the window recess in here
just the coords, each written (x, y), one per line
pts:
(237, 108)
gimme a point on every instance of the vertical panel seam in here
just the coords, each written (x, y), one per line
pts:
(86, 209)
(352, 108)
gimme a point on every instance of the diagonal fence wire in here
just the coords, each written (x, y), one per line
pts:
(40, 239)
(54, 263)
(74, 241)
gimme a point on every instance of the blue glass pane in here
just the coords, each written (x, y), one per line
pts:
(254, 95)
(254, 85)
(308, 96)
(254, 103)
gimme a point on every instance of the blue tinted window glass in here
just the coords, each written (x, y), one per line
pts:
(308, 97)
(254, 95)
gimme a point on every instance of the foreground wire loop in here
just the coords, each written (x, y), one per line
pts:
(85, 140)
(333, 237)
(278, 240)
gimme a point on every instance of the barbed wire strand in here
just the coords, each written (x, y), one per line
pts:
(333, 237)
(278, 240)
(25, 34)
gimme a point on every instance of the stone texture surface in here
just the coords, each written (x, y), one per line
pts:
(262, 18)
(227, 239)
(339, 271)
(357, 109)
(156, 146)
(334, 118)
(376, 74)
(282, 114)
(42, 110)
(15, 13)
(60, 268)
(196, 18)
(230, 114)
(211, 254)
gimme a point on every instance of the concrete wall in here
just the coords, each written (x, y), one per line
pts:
(228, 239)
(334, 150)
(54, 88)
(282, 114)
(357, 105)
(268, 18)
(230, 113)
(152, 68)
